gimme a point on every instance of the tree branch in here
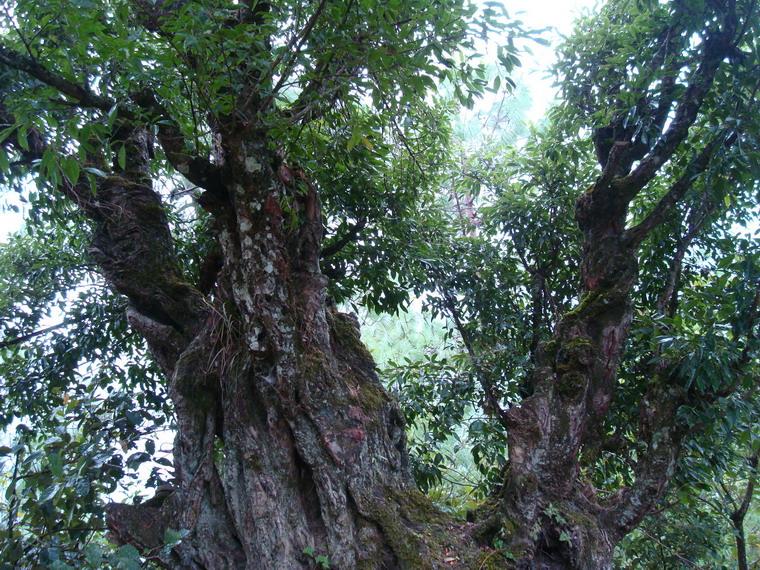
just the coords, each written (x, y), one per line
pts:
(667, 301)
(295, 44)
(301, 109)
(24, 337)
(697, 166)
(616, 132)
(716, 49)
(133, 245)
(84, 96)
(198, 170)
(658, 427)
(489, 390)
(352, 233)
(741, 511)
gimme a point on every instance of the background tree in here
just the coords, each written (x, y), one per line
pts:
(202, 150)
(687, 317)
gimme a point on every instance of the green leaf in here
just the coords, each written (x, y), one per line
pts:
(127, 558)
(112, 114)
(93, 554)
(49, 493)
(173, 537)
(5, 165)
(56, 463)
(21, 137)
(6, 132)
(70, 167)
(355, 139)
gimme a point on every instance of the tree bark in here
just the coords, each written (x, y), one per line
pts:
(551, 518)
(740, 512)
(741, 546)
(286, 441)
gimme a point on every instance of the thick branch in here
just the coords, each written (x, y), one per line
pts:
(84, 96)
(133, 245)
(715, 51)
(196, 169)
(617, 132)
(678, 190)
(350, 236)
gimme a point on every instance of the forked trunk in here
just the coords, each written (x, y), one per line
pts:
(551, 518)
(288, 446)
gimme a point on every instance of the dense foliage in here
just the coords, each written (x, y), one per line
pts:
(482, 233)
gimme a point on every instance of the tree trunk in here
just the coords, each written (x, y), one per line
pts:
(738, 515)
(287, 440)
(741, 546)
(288, 447)
(551, 519)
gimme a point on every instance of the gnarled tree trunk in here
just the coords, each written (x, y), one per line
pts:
(549, 516)
(286, 439)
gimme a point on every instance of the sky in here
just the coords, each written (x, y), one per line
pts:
(558, 16)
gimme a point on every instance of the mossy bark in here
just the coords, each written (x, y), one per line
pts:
(554, 519)
(287, 443)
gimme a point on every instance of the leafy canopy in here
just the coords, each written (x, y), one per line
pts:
(486, 237)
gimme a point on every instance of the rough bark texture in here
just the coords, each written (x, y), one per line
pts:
(552, 519)
(287, 443)
(286, 438)
(548, 516)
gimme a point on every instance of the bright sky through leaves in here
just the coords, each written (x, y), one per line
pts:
(554, 14)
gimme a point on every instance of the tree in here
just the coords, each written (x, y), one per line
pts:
(293, 119)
